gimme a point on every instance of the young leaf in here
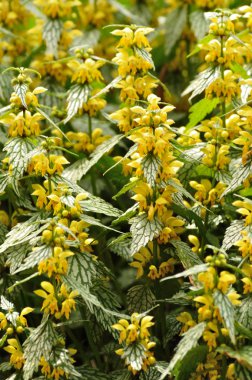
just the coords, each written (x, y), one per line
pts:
(200, 109)
(51, 34)
(39, 343)
(189, 341)
(139, 299)
(226, 311)
(150, 166)
(128, 214)
(233, 234)
(21, 90)
(77, 95)
(174, 24)
(143, 230)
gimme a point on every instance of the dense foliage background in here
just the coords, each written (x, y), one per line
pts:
(125, 189)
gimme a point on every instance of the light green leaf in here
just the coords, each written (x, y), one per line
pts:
(189, 272)
(108, 87)
(174, 25)
(200, 109)
(243, 355)
(239, 175)
(77, 95)
(129, 186)
(74, 172)
(143, 230)
(199, 24)
(185, 254)
(39, 343)
(189, 341)
(244, 312)
(226, 311)
(150, 166)
(202, 81)
(233, 234)
(51, 34)
(139, 299)
(21, 90)
(184, 369)
(126, 215)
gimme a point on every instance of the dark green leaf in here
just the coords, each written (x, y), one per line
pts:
(174, 25)
(139, 299)
(185, 254)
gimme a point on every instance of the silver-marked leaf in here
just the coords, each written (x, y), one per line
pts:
(189, 341)
(17, 150)
(95, 222)
(129, 186)
(21, 90)
(6, 305)
(150, 166)
(239, 175)
(143, 230)
(139, 299)
(37, 255)
(199, 24)
(144, 54)
(185, 254)
(77, 95)
(245, 92)
(82, 166)
(226, 311)
(81, 267)
(121, 246)
(189, 272)
(151, 374)
(60, 358)
(244, 312)
(51, 34)
(233, 234)
(134, 355)
(108, 87)
(74, 172)
(174, 24)
(98, 205)
(68, 200)
(39, 343)
(16, 256)
(242, 355)
(181, 189)
(202, 81)
(90, 373)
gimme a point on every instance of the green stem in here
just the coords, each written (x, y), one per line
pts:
(90, 128)
(17, 283)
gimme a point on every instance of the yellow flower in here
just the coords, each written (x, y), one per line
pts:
(86, 72)
(153, 272)
(187, 321)
(245, 209)
(208, 278)
(17, 357)
(211, 334)
(50, 303)
(69, 302)
(247, 288)
(225, 280)
(57, 8)
(195, 241)
(21, 319)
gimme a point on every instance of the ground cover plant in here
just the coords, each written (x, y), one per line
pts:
(125, 190)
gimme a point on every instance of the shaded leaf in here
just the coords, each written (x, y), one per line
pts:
(139, 299)
(198, 23)
(185, 254)
(243, 355)
(226, 311)
(174, 24)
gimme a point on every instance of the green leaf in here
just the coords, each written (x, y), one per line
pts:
(90, 373)
(98, 205)
(95, 222)
(150, 167)
(81, 267)
(243, 355)
(51, 34)
(185, 254)
(144, 54)
(200, 109)
(239, 175)
(83, 166)
(139, 299)
(189, 272)
(233, 234)
(134, 355)
(226, 311)
(199, 24)
(37, 255)
(108, 87)
(121, 246)
(39, 343)
(189, 364)
(150, 374)
(242, 373)
(50, 121)
(77, 95)
(143, 230)
(174, 25)
(244, 312)
(128, 214)
(236, 68)
(202, 81)
(129, 186)
(181, 189)
(189, 341)
(21, 90)
(60, 358)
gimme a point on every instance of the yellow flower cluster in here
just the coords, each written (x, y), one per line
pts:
(50, 164)
(57, 8)
(136, 332)
(81, 141)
